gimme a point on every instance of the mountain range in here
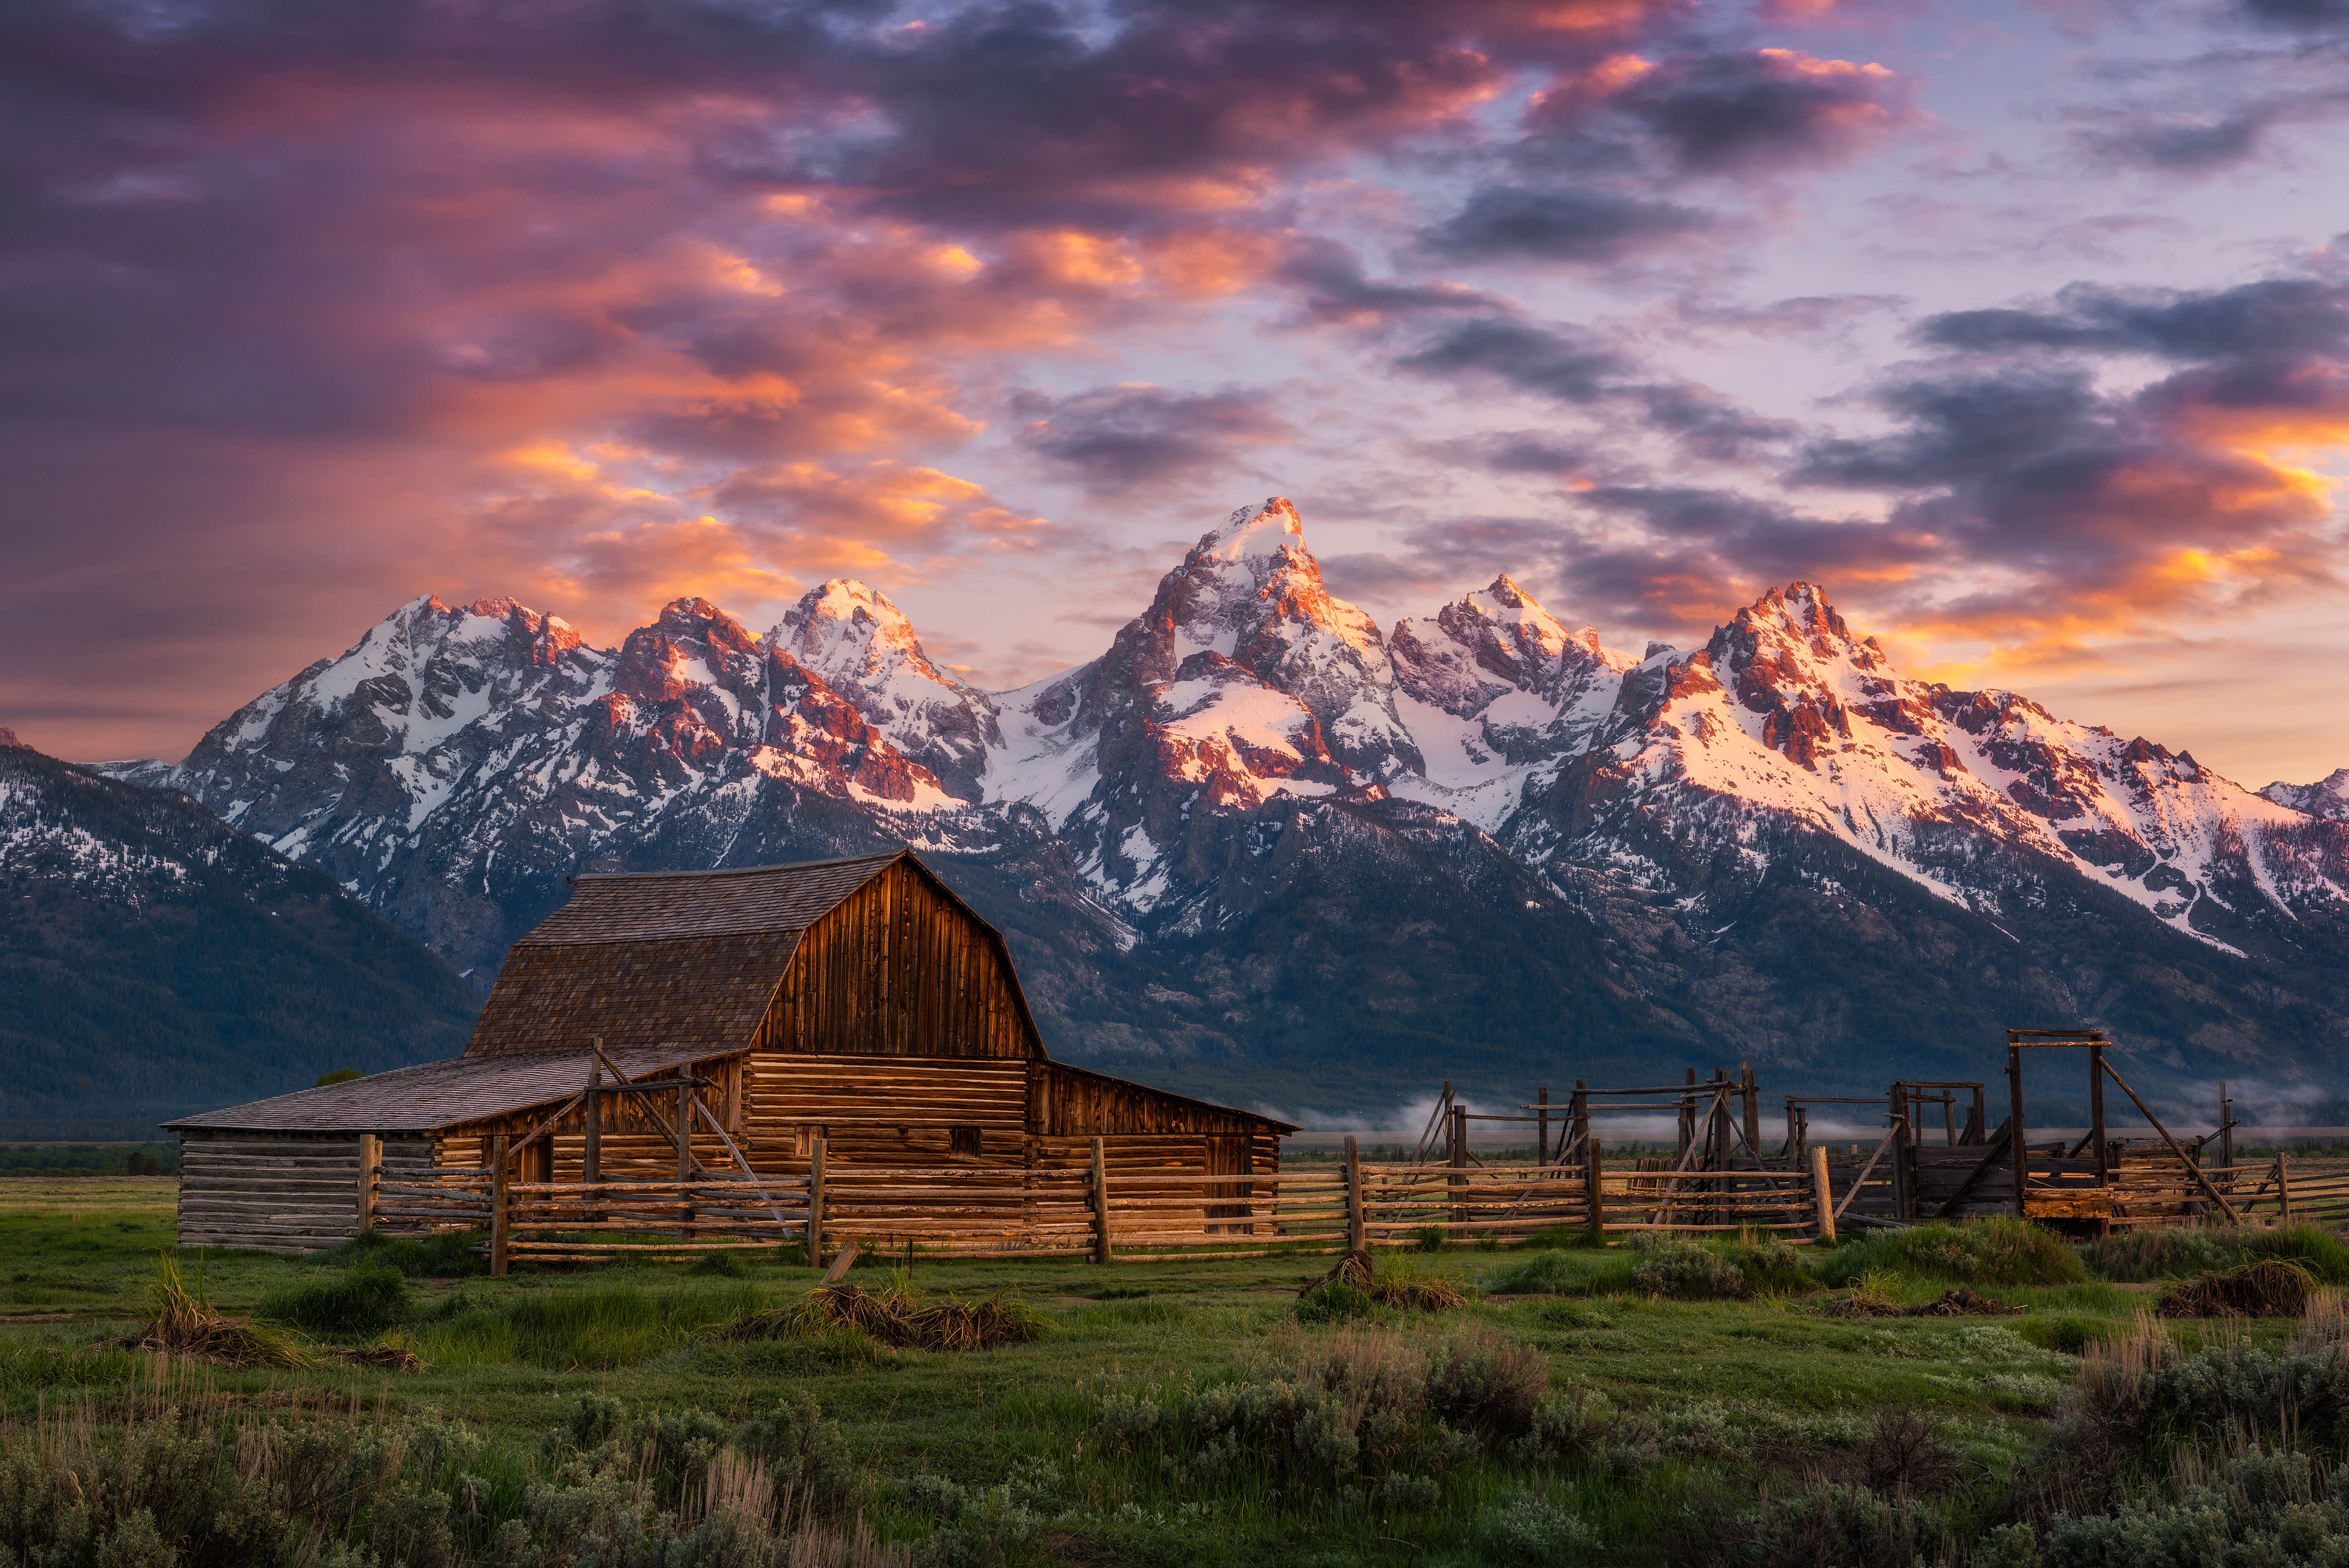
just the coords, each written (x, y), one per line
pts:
(1263, 848)
(154, 962)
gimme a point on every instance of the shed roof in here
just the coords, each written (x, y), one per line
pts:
(436, 1096)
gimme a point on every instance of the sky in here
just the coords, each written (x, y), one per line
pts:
(2023, 328)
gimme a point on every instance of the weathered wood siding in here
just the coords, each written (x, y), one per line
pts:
(1074, 1103)
(899, 968)
(906, 1111)
(278, 1192)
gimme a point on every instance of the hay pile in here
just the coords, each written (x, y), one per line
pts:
(898, 1316)
(185, 1324)
(2269, 1289)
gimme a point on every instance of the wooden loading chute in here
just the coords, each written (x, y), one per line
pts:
(2056, 1192)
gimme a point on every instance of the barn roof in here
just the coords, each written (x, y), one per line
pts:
(435, 1095)
(667, 906)
(684, 959)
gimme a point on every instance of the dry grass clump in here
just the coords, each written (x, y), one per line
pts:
(2269, 1289)
(1871, 1296)
(896, 1315)
(1874, 1301)
(387, 1358)
(1401, 1280)
(974, 1325)
(1362, 1280)
(185, 1324)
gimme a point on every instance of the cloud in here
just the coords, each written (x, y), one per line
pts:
(1338, 293)
(2298, 15)
(1707, 425)
(1764, 109)
(1521, 221)
(1114, 438)
(1557, 362)
(2095, 511)
(2283, 316)
(1602, 143)
(1516, 453)
(1578, 367)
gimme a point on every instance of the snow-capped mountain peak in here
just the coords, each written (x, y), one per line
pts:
(864, 646)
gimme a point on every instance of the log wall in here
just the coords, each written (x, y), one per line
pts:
(278, 1192)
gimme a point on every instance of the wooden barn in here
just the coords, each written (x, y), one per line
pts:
(726, 1024)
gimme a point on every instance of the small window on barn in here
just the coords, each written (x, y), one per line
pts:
(964, 1141)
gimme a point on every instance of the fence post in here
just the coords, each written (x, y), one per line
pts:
(1717, 1205)
(2283, 1184)
(370, 1163)
(1896, 1106)
(1541, 1137)
(498, 1204)
(1823, 1192)
(591, 1129)
(2227, 1136)
(1594, 1188)
(815, 1200)
(1100, 1203)
(1751, 1091)
(683, 1159)
(1459, 1184)
(1358, 1230)
(1581, 1114)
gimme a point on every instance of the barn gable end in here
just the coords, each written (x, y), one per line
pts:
(901, 967)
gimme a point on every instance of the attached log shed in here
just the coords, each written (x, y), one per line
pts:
(856, 1001)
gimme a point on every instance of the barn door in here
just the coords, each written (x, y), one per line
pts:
(1231, 1156)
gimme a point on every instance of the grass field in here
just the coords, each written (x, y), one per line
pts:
(1173, 1412)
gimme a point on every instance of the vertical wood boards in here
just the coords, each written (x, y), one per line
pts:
(898, 969)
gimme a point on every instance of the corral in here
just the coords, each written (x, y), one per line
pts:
(798, 1056)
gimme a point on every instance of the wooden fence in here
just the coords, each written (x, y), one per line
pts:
(1104, 1213)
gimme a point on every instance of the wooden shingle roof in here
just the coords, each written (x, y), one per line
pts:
(686, 959)
(435, 1095)
(666, 906)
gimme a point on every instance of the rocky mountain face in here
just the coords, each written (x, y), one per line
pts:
(1262, 848)
(2328, 797)
(155, 961)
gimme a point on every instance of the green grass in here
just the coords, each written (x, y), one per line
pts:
(365, 1299)
(588, 1327)
(1712, 1402)
(1981, 1253)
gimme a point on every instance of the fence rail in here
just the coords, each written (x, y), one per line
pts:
(1105, 1213)
(1013, 1213)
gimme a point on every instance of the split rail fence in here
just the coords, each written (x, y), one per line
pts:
(1009, 1213)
